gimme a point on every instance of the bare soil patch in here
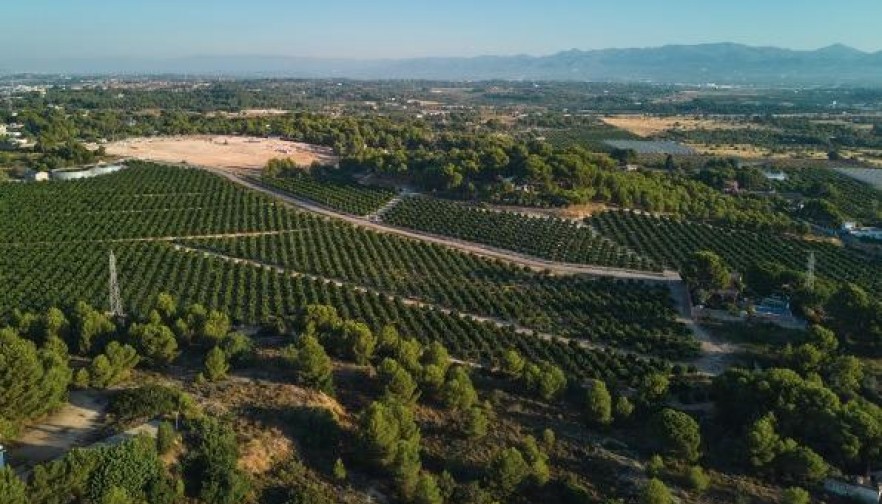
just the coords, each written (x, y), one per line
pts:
(650, 126)
(232, 153)
(75, 424)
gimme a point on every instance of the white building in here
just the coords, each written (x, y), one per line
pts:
(39, 176)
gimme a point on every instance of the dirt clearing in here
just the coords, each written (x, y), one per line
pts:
(75, 424)
(234, 153)
(650, 126)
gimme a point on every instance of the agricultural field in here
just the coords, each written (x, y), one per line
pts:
(671, 241)
(59, 257)
(347, 197)
(870, 176)
(652, 147)
(647, 126)
(555, 239)
(631, 316)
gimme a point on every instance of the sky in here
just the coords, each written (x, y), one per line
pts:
(368, 29)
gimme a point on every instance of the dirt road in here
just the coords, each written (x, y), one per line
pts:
(534, 263)
(419, 303)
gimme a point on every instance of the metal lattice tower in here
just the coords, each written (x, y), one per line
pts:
(810, 272)
(116, 306)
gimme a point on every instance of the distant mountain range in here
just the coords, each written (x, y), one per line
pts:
(723, 63)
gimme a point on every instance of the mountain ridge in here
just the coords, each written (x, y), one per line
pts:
(721, 63)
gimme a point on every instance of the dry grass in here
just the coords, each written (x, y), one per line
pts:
(263, 450)
(650, 126)
(237, 153)
(748, 151)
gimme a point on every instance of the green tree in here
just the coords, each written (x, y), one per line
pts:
(545, 379)
(216, 365)
(166, 306)
(32, 382)
(800, 463)
(238, 348)
(436, 354)
(215, 328)
(397, 382)
(359, 342)
(89, 325)
(844, 374)
(653, 389)
(763, 443)
(512, 363)
(100, 372)
(655, 492)
(155, 342)
(210, 466)
(339, 471)
(113, 366)
(678, 434)
(540, 472)
(476, 423)
(117, 495)
(598, 403)
(795, 495)
(706, 270)
(427, 491)
(507, 471)
(623, 408)
(12, 488)
(655, 466)
(311, 363)
(698, 479)
(458, 392)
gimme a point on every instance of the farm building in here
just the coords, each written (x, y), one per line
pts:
(774, 307)
(869, 233)
(95, 171)
(775, 176)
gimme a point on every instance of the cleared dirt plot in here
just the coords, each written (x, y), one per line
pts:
(234, 153)
(73, 425)
(870, 176)
(650, 126)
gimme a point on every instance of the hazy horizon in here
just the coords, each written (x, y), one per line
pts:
(395, 29)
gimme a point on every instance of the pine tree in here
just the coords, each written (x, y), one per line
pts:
(216, 366)
(598, 403)
(12, 488)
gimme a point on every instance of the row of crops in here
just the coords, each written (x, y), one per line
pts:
(554, 239)
(346, 197)
(77, 219)
(58, 276)
(633, 316)
(671, 241)
(140, 202)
